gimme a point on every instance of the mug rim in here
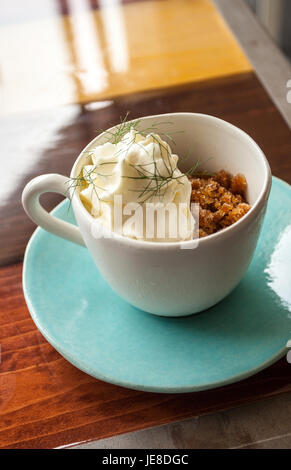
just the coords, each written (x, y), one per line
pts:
(226, 232)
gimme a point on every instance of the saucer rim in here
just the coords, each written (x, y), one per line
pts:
(147, 388)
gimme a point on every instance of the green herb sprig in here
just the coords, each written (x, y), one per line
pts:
(157, 183)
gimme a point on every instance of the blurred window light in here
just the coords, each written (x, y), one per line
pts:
(95, 105)
(90, 67)
(114, 26)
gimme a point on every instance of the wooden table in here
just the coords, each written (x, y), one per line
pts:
(71, 67)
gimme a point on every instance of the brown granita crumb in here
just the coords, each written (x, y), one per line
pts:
(202, 233)
(206, 221)
(223, 178)
(238, 184)
(235, 214)
(221, 200)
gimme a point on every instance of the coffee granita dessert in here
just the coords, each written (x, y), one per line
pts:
(221, 199)
(141, 168)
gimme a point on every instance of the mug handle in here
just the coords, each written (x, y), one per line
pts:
(51, 183)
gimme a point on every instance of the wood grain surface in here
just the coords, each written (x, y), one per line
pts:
(45, 401)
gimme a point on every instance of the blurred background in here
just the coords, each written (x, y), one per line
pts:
(275, 15)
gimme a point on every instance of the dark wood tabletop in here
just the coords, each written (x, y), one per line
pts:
(44, 400)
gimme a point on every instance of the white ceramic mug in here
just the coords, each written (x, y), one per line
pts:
(162, 278)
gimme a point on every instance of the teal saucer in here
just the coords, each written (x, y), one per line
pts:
(98, 332)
